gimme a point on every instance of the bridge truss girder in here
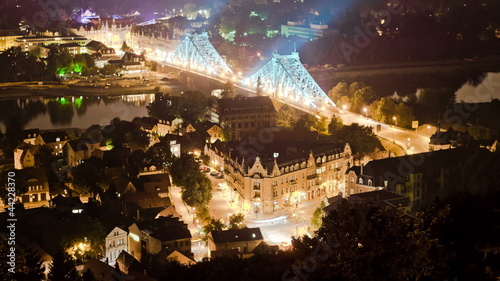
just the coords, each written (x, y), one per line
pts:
(197, 53)
(284, 77)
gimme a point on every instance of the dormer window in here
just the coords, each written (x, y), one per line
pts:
(360, 181)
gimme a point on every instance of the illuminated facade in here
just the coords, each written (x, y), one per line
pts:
(275, 180)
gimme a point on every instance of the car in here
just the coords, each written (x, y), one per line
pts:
(214, 173)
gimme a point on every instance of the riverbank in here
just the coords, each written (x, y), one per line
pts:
(406, 78)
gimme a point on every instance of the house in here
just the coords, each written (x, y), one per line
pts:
(128, 264)
(179, 257)
(379, 198)
(243, 241)
(29, 136)
(281, 174)
(448, 139)
(67, 204)
(170, 125)
(75, 151)
(158, 183)
(423, 177)
(36, 184)
(24, 156)
(166, 233)
(116, 241)
(150, 126)
(245, 115)
(54, 140)
(138, 203)
(212, 131)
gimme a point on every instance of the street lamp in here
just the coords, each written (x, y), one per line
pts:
(365, 110)
(395, 119)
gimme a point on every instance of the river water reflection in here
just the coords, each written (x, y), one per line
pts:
(73, 111)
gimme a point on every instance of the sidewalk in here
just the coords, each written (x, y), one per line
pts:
(181, 208)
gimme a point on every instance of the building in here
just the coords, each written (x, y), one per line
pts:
(281, 174)
(29, 136)
(24, 156)
(309, 32)
(74, 43)
(54, 140)
(448, 139)
(116, 242)
(34, 181)
(379, 198)
(75, 151)
(213, 131)
(234, 241)
(246, 114)
(423, 178)
(167, 233)
(110, 32)
(170, 125)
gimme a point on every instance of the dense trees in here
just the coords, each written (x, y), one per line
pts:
(196, 188)
(360, 138)
(379, 244)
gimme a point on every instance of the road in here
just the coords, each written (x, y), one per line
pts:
(410, 141)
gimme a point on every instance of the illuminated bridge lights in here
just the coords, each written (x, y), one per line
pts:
(285, 73)
(196, 52)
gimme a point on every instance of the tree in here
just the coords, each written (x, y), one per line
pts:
(28, 265)
(197, 191)
(228, 92)
(258, 90)
(193, 106)
(321, 125)
(196, 188)
(89, 177)
(12, 136)
(354, 87)
(125, 47)
(213, 225)
(371, 246)
(362, 98)
(335, 125)
(62, 268)
(340, 90)
(305, 123)
(44, 157)
(383, 110)
(360, 138)
(236, 221)
(404, 115)
(286, 117)
(162, 106)
(182, 168)
(318, 215)
(159, 154)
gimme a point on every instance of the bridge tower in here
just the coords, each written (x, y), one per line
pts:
(197, 53)
(286, 79)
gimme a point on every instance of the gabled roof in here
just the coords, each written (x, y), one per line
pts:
(380, 198)
(237, 235)
(166, 229)
(30, 133)
(147, 122)
(50, 137)
(78, 145)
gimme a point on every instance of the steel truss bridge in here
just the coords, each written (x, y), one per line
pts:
(283, 78)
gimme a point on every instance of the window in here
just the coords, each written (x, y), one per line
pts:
(360, 181)
(352, 180)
